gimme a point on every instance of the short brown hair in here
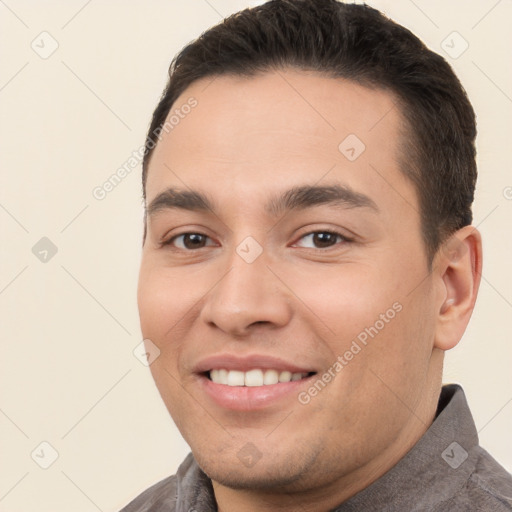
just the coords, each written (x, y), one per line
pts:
(358, 43)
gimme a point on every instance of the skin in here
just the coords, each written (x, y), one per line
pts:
(248, 139)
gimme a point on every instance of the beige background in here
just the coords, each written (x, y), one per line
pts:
(69, 325)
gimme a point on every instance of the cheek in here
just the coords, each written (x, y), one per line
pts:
(161, 306)
(345, 299)
(367, 314)
(162, 300)
(168, 300)
(155, 304)
(397, 358)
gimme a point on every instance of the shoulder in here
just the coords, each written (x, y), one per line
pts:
(160, 496)
(489, 487)
(163, 496)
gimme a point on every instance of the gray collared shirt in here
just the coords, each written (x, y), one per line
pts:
(446, 470)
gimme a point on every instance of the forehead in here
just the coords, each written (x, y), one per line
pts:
(278, 128)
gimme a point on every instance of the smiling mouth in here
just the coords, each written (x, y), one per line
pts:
(253, 378)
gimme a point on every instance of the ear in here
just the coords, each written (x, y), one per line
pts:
(458, 267)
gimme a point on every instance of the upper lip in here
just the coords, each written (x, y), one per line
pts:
(249, 362)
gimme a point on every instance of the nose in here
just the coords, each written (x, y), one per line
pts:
(248, 295)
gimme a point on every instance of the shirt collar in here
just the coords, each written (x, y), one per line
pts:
(434, 469)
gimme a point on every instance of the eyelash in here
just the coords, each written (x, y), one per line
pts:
(344, 239)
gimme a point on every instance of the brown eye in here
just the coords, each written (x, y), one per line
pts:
(324, 239)
(188, 241)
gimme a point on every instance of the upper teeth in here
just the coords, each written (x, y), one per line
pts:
(253, 377)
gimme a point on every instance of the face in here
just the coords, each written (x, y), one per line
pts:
(289, 295)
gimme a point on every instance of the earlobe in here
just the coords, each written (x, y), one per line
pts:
(459, 266)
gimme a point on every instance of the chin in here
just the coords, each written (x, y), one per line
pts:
(264, 479)
(285, 472)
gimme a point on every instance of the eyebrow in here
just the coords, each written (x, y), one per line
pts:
(296, 198)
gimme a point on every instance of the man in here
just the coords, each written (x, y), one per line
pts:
(308, 258)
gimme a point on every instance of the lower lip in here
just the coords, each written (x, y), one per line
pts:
(248, 398)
